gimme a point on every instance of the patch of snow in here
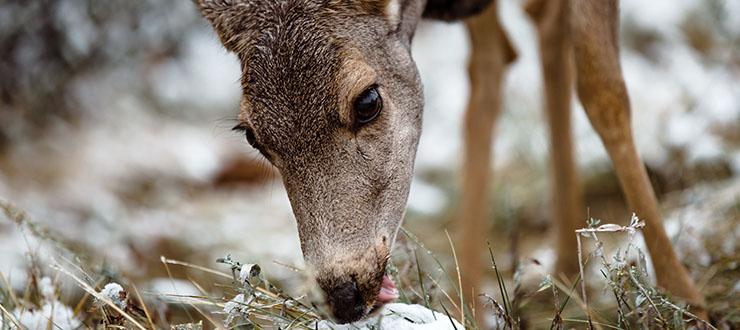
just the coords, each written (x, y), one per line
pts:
(47, 288)
(14, 254)
(532, 271)
(401, 317)
(732, 21)
(706, 147)
(206, 76)
(440, 52)
(684, 128)
(700, 222)
(115, 293)
(52, 315)
(662, 15)
(250, 273)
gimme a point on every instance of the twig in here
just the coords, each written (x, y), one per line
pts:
(11, 317)
(591, 322)
(448, 315)
(459, 278)
(186, 264)
(443, 291)
(583, 278)
(421, 283)
(501, 285)
(143, 306)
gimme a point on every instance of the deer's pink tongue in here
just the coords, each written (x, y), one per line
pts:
(388, 292)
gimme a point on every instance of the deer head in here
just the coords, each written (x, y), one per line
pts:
(332, 98)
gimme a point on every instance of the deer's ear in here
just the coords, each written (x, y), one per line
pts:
(451, 10)
(230, 19)
(402, 15)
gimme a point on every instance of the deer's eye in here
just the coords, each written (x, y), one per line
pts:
(367, 106)
(250, 137)
(247, 131)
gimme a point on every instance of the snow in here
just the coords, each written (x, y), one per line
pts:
(664, 15)
(699, 228)
(250, 273)
(47, 289)
(440, 51)
(681, 84)
(206, 68)
(399, 316)
(53, 313)
(115, 293)
(74, 179)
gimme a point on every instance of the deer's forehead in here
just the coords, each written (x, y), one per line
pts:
(295, 69)
(289, 83)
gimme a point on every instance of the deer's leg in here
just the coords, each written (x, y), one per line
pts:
(603, 93)
(490, 53)
(551, 18)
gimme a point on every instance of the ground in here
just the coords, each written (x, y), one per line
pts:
(137, 175)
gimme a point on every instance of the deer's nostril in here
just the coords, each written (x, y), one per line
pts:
(346, 302)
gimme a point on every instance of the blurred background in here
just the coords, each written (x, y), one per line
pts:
(115, 136)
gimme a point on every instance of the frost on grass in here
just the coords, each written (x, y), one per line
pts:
(236, 308)
(638, 301)
(259, 303)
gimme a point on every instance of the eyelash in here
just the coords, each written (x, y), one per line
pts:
(247, 131)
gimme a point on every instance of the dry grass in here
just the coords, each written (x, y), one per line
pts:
(248, 300)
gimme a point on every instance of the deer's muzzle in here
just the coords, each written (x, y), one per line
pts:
(346, 302)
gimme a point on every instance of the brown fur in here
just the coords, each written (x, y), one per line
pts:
(305, 61)
(603, 93)
(584, 33)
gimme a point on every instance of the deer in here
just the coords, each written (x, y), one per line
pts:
(332, 98)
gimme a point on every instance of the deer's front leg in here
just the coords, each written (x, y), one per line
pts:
(491, 52)
(603, 93)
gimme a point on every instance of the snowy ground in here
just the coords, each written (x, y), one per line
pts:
(130, 180)
(401, 317)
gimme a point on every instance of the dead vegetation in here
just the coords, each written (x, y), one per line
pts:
(620, 296)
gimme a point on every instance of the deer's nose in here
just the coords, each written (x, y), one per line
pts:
(346, 302)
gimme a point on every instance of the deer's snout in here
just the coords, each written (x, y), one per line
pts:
(355, 284)
(346, 301)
